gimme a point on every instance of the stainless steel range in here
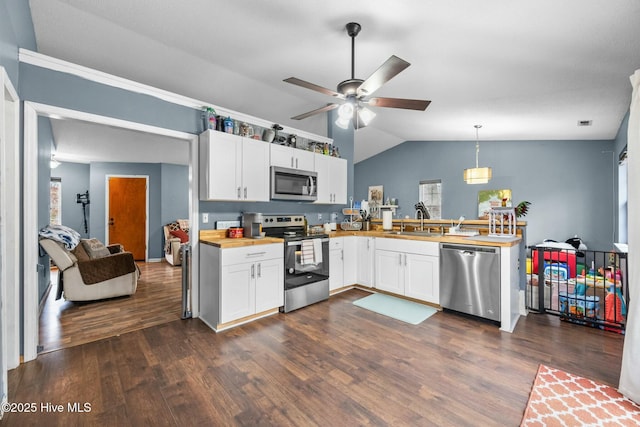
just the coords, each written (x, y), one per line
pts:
(306, 260)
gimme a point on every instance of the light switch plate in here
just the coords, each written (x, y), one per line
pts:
(205, 218)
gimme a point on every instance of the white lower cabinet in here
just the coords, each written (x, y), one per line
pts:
(350, 260)
(409, 268)
(343, 260)
(239, 282)
(365, 249)
(336, 263)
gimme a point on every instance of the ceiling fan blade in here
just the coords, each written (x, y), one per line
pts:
(316, 111)
(407, 104)
(391, 68)
(307, 85)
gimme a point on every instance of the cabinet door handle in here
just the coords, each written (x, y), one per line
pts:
(405, 260)
(296, 163)
(245, 193)
(342, 254)
(238, 193)
(292, 161)
(400, 258)
(367, 244)
(253, 271)
(259, 270)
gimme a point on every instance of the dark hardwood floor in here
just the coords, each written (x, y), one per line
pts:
(329, 364)
(158, 299)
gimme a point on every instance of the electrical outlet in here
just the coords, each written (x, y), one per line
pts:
(205, 218)
(319, 217)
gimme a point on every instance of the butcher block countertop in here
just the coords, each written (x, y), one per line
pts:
(218, 238)
(481, 240)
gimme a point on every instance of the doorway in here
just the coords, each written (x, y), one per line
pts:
(9, 233)
(31, 113)
(127, 213)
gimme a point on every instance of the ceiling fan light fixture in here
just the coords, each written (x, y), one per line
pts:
(477, 175)
(365, 115)
(345, 111)
(343, 123)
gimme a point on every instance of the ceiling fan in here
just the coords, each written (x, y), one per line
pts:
(356, 92)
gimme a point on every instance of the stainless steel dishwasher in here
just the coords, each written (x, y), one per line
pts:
(470, 280)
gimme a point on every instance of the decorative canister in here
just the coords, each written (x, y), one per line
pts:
(228, 125)
(236, 232)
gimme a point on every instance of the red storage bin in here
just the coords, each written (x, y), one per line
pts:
(567, 257)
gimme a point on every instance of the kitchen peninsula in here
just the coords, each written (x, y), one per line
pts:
(358, 266)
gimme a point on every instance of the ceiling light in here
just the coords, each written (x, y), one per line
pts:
(346, 111)
(343, 123)
(53, 163)
(365, 115)
(477, 175)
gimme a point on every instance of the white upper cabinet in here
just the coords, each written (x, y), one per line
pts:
(292, 158)
(332, 179)
(233, 167)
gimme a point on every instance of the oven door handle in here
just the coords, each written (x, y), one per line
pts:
(299, 242)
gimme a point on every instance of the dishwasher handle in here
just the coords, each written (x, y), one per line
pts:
(468, 249)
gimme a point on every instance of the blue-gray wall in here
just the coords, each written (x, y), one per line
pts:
(569, 183)
(98, 175)
(75, 180)
(175, 192)
(168, 196)
(16, 31)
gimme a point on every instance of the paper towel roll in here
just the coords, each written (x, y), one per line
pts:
(387, 220)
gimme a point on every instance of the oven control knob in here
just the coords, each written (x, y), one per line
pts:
(291, 270)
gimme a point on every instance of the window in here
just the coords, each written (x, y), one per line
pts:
(622, 197)
(430, 193)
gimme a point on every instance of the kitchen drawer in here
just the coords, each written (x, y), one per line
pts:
(252, 253)
(336, 243)
(409, 246)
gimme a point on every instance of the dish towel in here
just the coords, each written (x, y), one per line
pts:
(317, 250)
(307, 249)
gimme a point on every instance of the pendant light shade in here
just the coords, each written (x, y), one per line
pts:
(477, 175)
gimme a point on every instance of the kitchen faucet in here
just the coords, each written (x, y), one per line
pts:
(419, 212)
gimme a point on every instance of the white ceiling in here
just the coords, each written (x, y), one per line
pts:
(525, 70)
(82, 142)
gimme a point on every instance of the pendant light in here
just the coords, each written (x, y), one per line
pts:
(477, 175)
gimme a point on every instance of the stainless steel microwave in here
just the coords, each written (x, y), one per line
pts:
(293, 184)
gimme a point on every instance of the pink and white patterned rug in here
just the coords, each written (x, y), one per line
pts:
(559, 398)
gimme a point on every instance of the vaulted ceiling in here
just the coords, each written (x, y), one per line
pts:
(525, 70)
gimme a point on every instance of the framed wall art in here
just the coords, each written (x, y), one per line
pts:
(488, 199)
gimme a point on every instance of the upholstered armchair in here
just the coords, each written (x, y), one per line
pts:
(92, 271)
(175, 235)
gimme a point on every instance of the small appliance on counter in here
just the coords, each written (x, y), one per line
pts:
(252, 225)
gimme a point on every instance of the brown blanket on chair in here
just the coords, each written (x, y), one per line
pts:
(100, 269)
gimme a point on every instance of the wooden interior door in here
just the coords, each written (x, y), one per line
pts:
(127, 219)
